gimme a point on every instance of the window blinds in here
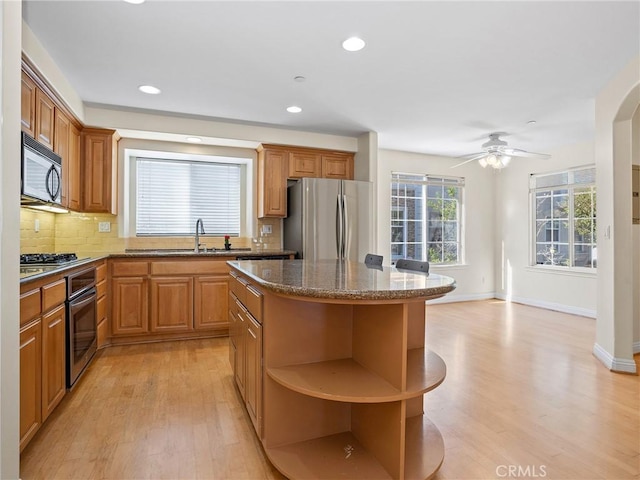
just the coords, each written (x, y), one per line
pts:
(173, 194)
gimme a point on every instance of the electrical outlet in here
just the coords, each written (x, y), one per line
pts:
(104, 227)
(266, 229)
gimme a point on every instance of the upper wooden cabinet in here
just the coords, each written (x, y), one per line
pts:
(272, 182)
(304, 164)
(61, 137)
(28, 105)
(73, 171)
(100, 161)
(45, 119)
(276, 163)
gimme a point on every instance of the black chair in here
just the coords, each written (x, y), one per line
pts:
(373, 260)
(415, 265)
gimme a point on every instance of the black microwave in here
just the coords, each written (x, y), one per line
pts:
(41, 180)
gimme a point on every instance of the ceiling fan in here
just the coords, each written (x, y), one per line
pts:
(497, 154)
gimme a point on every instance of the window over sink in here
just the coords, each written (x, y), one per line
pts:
(168, 192)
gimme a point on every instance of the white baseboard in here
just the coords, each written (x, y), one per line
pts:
(636, 347)
(614, 364)
(558, 307)
(462, 298)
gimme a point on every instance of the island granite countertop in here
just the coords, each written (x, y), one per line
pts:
(343, 280)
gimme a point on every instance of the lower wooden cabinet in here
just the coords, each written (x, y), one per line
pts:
(129, 305)
(210, 302)
(253, 372)
(53, 360)
(171, 304)
(30, 381)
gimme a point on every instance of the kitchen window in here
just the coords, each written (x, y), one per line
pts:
(426, 216)
(168, 194)
(564, 218)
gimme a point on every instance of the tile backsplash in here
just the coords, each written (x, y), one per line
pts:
(80, 233)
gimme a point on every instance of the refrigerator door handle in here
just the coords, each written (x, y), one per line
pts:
(339, 234)
(345, 228)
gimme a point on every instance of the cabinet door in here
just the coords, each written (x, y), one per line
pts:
(28, 105)
(74, 193)
(171, 304)
(30, 381)
(304, 164)
(337, 166)
(61, 147)
(241, 333)
(129, 306)
(99, 171)
(253, 372)
(272, 184)
(45, 113)
(53, 360)
(211, 302)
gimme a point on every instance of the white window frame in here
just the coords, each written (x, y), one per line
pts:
(433, 180)
(130, 181)
(570, 184)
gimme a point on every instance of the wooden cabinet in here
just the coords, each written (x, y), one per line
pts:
(61, 137)
(304, 164)
(129, 305)
(30, 381)
(171, 304)
(42, 352)
(53, 360)
(276, 163)
(245, 341)
(28, 105)
(102, 321)
(45, 119)
(100, 160)
(272, 183)
(73, 171)
(210, 302)
(338, 166)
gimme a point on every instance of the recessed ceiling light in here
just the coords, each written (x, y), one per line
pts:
(531, 122)
(150, 89)
(294, 109)
(299, 78)
(353, 44)
(135, 2)
(194, 139)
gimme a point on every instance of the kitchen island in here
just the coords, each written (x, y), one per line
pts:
(330, 359)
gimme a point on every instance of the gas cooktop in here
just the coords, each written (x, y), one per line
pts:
(47, 258)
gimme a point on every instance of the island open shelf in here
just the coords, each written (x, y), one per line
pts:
(345, 369)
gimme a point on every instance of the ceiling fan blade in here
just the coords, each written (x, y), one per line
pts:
(477, 157)
(516, 152)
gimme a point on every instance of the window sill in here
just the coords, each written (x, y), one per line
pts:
(569, 271)
(453, 266)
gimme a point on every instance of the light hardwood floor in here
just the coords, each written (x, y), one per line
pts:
(523, 398)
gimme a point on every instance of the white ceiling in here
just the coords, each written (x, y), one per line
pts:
(435, 77)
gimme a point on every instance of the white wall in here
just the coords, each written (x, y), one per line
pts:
(475, 279)
(516, 280)
(11, 22)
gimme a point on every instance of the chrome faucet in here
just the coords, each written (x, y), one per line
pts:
(198, 232)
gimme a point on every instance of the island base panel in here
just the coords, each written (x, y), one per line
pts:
(424, 451)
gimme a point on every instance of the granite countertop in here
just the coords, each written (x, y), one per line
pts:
(333, 279)
(29, 273)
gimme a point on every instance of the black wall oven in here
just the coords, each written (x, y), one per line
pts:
(81, 322)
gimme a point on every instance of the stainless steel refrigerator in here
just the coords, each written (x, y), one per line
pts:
(329, 219)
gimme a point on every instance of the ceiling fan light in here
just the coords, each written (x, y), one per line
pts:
(491, 160)
(483, 162)
(505, 160)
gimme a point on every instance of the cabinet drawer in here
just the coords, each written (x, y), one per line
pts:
(129, 269)
(54, 294)
(101, 309)
(101, 288)
(101, 272)
(253, 302)
(239, 287)
(198, 267)
(29, 305)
